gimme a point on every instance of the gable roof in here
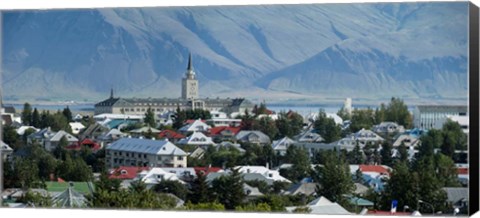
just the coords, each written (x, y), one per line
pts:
(148, 146)
(126, 172)
(244, 134)
(282, 144)
(60, 134)
(170, 134)
(456, 194)
(197, 125)
(308, 188)
(218, 130)
(206, 170)
(374, 168)
(145, 129)
(197, 138)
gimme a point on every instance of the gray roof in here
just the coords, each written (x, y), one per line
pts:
(251, 191)
(69, 198)
(245, 134)
(148, 146)
(456, 194)
(302, 188)
(58, 136)
(42, 134)
(443, 108)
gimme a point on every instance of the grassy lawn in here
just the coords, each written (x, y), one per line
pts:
(81, 187)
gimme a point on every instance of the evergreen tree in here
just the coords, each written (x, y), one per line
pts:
(150, 118)
(356, 155)
(334, 178)
(446, 171)
(386, 153)
(36, 122)
(199, 192)
(380, 114)
(327, 127)
(403, 152)
(173, 187)
(397, 111)
(429, 142)
(362, 119)
(27, 114)
(180, 118)
(267, 126)
(228, 190)
(343, 113)
(453, 138)
(301, 165)
(67, 114)
(401, 186)
(359, 176)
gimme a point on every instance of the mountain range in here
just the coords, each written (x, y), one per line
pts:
(279, 53)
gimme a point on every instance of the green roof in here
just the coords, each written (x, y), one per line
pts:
(81, 187)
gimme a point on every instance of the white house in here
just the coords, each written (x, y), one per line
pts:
(281, 145)
(407, 140)
(197, 138)
(255, 137)
(156, 175)
(76, 127)
(323, 206)
(268, 174)
(21, 130)
(144, 152)
(309, 136)
(388, 127)
(196, 126)
(52, 142)
(365, 136)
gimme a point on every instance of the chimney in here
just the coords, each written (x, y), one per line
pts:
(267, 165)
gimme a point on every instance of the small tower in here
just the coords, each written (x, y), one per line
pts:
(189, 82)
(111, 93)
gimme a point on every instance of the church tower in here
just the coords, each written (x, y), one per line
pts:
(190, 82)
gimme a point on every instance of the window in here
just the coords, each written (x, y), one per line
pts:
(179, 158)
(144, 156)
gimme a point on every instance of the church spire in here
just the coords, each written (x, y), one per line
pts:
(190, 67)
(111, 93)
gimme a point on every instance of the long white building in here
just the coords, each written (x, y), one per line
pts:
(428, 116)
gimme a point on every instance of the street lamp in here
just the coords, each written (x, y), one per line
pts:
(433, 209)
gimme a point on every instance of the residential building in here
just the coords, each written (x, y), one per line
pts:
(76, 127)
(309, 136)
(126, 172)
(110, 136)
(388, 128)
(428, 116)
(407, 140)
(228, 145)
(21, 130)
(251, 193)
(254, 137)
(457, 197)
(144, 130)
(144, 152)
(196, 126)
(280, 146)
(365, 136)
(85, 143)
(156, 175)
(197, 138)
(268, 175)
(170, 135)
(224, 122)
(463, 121)
(52, 142)
(306, 188)
(223, 133)
(93, 131)
(6, 151)
(323, 206)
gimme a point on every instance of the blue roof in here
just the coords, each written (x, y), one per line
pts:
(148, 146)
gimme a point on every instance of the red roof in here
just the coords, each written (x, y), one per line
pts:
(60, 180)
(388, 213)
(86, 142)
(374, 168)
(206, 170)
(462, 171)
(125, 172)
(218, 130)
(170, 134)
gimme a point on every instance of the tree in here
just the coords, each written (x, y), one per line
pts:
(301, 165)
(397, 111)
(36, 199)
(267, 126)
(260, 207)
(228, 189)
(180, 118)
(403, 152)
(343, 113)
(173, 187)
(27, 114)
(402, 186)
(67, 114)
(362, 119)
(60, 151)
(446, 171)
(10, 137)
(429, 142)
(453, 138)
(327, 127)
(199, 192)
(356, 155)
(386, 153)
(36, 118)
(209, 206)
(334, 178)
(380, 114)
(358, 178)
(149, 118)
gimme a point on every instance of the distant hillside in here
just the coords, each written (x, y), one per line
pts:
(278, 52)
